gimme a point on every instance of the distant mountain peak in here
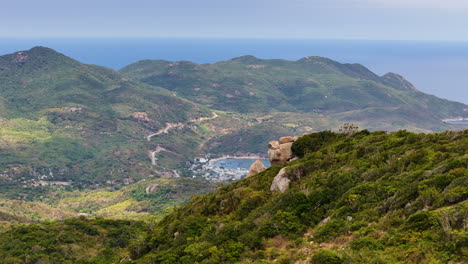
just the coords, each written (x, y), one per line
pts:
(246, 58)
(36, 59)
(39, 51)
(314, 59)
(399, 82)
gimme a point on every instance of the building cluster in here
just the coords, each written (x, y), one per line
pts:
(209, 170)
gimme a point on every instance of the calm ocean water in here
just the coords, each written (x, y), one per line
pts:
(464, 122)
(439, 68)
(231, 163)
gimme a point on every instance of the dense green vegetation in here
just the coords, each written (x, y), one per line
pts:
(78, 240)
(77, 125)
(359, 198)
(73, 141)
(347, 92)
(365, 198)
(148, 200)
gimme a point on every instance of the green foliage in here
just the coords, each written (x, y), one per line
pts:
(312, 142)
(65, 126)
(420, 222)
(378, 197)
(74, 123)
(325, 256)
(77, 240)
(312, 84)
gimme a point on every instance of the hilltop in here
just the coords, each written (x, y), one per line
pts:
(357, 197)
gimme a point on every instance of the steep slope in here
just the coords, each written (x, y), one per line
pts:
(363, 198)
(68, 124)
(348, 92)
(359, 198)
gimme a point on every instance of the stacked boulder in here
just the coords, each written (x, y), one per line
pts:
(279, 152)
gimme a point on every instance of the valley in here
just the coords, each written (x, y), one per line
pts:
(138, 149)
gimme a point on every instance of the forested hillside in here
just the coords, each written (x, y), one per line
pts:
(352, 198)
(362, 198)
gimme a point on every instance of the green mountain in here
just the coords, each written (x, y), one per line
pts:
(346, 92)
(72, 125)
(350, 198)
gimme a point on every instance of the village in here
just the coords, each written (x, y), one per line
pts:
(226, 168)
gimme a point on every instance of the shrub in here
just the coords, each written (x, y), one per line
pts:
(366, 242)
(326, 256)
(420, 221)
(312, 142)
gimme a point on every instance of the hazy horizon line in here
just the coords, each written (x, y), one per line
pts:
(234, 38)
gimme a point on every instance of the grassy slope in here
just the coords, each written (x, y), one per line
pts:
(129, 202)
(387, 198)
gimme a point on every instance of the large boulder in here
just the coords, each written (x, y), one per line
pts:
(283, 140)
(280, 182)
(279, 153)
(255, 168)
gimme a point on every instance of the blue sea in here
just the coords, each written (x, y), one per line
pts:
(438, 68)
(233, 163)
(461, 122)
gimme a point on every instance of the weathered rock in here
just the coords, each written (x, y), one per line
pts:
(279, 154)
(283, 140)
(152, 188)
(324, 221)
(281, 181)
(141, 116)
(255, 168)
(273, 145)
(126, 259)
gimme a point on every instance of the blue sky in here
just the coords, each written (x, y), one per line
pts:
(316, 19)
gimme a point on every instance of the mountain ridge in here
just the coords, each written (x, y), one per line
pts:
(311, 84)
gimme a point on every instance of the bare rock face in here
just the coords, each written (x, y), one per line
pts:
(141, 116)
(283, 140)
(281, 181)
(279, 153)
(255, 168)
(152, 188)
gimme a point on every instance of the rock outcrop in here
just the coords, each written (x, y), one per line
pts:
(284, 140)
(152, 188)
(141, 116)
(255, 168)
(279, 152)
(281, 181)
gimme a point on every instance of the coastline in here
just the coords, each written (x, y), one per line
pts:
(211, 161)
(456, 121)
